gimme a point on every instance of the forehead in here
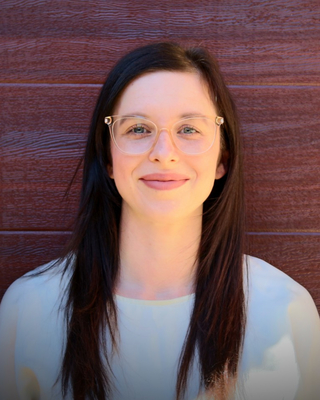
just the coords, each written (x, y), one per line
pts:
(168, 93)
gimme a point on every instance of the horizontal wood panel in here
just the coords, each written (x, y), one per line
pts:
(296, 255)
(281, 129)
(46, 109)
(243, 60)
(119, 18)
(255, 42)
(44, 135)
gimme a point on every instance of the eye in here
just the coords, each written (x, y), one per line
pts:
(138, 130)
(188, 130)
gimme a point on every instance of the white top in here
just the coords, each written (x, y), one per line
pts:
(280, 361)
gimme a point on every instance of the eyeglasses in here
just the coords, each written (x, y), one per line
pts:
(137, 135)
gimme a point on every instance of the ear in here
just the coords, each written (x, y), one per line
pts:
(110, 171)
(222, 167)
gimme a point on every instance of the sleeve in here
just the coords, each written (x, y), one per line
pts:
(305, 324)
(8, 330)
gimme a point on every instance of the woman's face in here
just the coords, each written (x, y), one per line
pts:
(166, 184)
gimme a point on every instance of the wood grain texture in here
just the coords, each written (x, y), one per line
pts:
(45, 131)
(42, 140)
(296, 255)
(54, 57)
(256, 42)
(280, 127)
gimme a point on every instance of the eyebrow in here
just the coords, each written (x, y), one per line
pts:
(184, 115)
(191, 115)
(135, 114)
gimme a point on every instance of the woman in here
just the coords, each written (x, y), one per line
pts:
(154, 298)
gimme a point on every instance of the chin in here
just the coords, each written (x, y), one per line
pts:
(168, 213)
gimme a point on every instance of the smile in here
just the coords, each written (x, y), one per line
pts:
(164, 181)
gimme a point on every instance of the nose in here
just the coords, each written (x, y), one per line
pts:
(164, 150)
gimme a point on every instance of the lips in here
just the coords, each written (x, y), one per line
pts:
(164, 181)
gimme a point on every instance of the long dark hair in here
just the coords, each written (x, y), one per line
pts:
(217, 324)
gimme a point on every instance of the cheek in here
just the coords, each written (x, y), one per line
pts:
(119, 172)
(208, 183)
(207, 173)
(122, 172)
(122, 184)
(118, 167)
(209, 164)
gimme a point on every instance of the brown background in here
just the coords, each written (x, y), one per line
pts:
(54, 58)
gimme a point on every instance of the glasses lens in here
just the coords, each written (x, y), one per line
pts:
(194, 135)
(134, 135)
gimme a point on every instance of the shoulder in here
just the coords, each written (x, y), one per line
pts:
(32, 308)
(43, 286)
(282, 333)
(267, 280)
(275, 296)
(32, 329)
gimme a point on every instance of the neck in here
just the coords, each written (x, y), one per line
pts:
(157, 259)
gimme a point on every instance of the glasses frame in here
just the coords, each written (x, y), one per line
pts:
(111, 119)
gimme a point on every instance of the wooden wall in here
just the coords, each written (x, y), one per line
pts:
(54, 58)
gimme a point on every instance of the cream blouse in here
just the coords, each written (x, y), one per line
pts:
(280, 360)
